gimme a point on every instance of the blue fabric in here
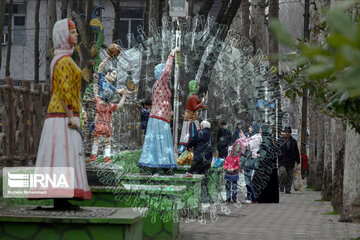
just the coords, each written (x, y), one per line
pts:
(193, 131)
(231, 185)
(158, 148)
(218, 162)
(158, 70)
(103, 85)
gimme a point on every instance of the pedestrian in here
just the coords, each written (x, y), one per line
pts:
(202, 146)
(223, 140)
(239, 130)
(145, 113)
(231, 167)
(266, 176)
(61, 144)
(158, 149)
(288, 159)
(249, 161)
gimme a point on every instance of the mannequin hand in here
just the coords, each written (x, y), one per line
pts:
(72, 123)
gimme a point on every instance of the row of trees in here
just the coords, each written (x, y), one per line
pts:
(328, 68)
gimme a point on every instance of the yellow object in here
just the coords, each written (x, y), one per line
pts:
(96, 23)
(66, 85)
(185, 158)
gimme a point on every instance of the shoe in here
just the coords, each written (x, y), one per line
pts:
(246, 201)
(234, 200)
(228, 200)
(288, 192)
(188, 175)
(107, 160)
(92, 158)
(253, 202)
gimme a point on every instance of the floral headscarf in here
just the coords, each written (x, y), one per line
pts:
(61, 42)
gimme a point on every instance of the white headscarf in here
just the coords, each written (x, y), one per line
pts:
(61, 43)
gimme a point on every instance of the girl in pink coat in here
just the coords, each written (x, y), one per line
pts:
(232, 168)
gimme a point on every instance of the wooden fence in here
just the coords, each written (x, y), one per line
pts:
(22, 112)
(22, 115)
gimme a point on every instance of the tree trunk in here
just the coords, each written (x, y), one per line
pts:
(117, 9)
(222, 11)
(258, 28)
(8, 53)
(205, 8)
(320, 153)
(327, 175)
(351, 195)
(338, 138)
(2, 22)
(313, 118)
(64, 8)
(52, 20)
(152, 12)
(245, 18)
(36, 43)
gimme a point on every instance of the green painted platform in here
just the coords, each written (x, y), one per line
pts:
(190, 198)
(216, 180)
(161, 220)
(19, 222)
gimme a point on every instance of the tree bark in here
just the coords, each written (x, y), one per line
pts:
(52, 20)
(320, 153)
(205, 8)
(327, 175)
(338, 138)
(258, 28)
(8, 53)
(313, 118)
(222, 10)
(64, 8)
(351, 194)
(245, 18)
(36, 43)
(117, 8)
(152, 12)
(2, 22)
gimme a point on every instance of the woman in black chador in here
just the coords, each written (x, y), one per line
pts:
(266, 181)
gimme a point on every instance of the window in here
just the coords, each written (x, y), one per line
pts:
(18, 23)
(130, 19)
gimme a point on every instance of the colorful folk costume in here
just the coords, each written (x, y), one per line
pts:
(158, 148)
(60, 145)
(191, 122)
(104, 94)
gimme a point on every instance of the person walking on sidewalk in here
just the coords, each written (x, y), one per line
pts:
(289, 155)
(223, 140)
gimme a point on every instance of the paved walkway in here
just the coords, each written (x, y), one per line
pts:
(297, 216)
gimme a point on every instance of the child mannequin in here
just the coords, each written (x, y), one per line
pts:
(104, 109)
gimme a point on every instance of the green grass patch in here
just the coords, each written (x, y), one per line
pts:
(309, 187)
(331, 213)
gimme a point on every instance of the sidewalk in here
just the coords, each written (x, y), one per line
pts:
(297, 216)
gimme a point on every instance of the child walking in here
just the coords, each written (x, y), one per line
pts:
(232, 168)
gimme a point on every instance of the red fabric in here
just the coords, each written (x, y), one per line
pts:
(304, 159)
(103, 117)
(161, 94)
(232, 162)
(193, 103)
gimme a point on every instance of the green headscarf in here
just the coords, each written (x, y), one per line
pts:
(193, 87)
